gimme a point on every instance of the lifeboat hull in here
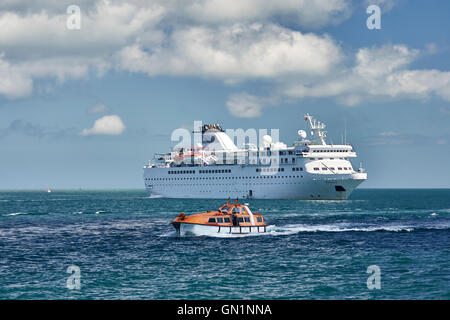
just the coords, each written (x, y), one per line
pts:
(192, 229)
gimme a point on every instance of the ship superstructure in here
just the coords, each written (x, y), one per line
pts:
(216, 168)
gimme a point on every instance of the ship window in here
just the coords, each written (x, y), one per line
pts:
(219, 220)
(331, 168)
(324, 168)
(225, 209)
(339, 168)
(212, 220)
(345, 168)
(316, 169)
(226, 220)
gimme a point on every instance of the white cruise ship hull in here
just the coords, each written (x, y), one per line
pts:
(242, 182)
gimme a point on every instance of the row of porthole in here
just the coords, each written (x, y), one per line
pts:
(217, 184)
(223, 178)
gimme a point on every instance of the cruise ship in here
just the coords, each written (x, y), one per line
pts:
(309, 169)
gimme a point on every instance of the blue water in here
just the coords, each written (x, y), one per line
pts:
(125, 248)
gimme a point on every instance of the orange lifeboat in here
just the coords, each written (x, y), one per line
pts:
(232, 219)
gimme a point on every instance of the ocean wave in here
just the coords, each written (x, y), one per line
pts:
(274, 230)
(169, 234)
(15, 213)
(292, 229)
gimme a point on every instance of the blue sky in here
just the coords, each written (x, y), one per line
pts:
(160, 66)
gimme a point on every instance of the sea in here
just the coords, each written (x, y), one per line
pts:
(118, 244)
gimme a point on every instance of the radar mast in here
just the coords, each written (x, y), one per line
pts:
(316, 129)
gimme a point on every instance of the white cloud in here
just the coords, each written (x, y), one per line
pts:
(162, 37)
(385, 5)
(244, 105)
(13, 83)
(107, 125)
(378, 73)
(99, 108)
(37, 44)
(235, 53)
(230, 40)
(306, 13)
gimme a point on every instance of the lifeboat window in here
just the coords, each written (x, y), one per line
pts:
(219, 220)
(236, 210)
(247, 219)
(212, 220)
(226, 220)
(241, 219)
(259, 219)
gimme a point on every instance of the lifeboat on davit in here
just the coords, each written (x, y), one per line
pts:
(232, 219)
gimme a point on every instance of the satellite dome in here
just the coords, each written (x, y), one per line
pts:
(267, 140)
(301, 134)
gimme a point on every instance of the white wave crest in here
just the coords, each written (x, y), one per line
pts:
(15, 213)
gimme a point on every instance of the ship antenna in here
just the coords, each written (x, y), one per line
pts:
(345, 131)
